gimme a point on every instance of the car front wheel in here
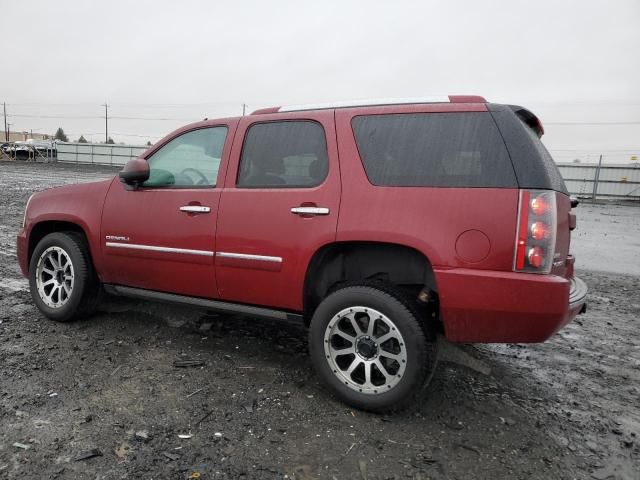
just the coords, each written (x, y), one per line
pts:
(370, 347)
(62, 280)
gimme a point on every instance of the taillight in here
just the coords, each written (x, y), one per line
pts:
(540, 230)
(536, 236)
(539, 205)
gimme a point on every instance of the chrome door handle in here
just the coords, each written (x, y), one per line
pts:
(310, 210)
(195, 209)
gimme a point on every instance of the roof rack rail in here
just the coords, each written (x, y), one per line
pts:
(373, 102)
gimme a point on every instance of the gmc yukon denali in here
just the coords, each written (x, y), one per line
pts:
(379, 224)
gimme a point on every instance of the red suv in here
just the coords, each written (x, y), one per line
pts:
(378, 224)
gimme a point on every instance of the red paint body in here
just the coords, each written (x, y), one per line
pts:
(467, 234)
(259, 221)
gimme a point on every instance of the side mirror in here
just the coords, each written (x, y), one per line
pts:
(135, 173)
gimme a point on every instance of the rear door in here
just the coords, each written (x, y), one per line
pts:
(279, 206)
(162, 236)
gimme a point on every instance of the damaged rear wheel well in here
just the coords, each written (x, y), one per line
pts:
(338, 264)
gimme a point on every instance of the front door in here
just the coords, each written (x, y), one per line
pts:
(162, 235)
(279, 206)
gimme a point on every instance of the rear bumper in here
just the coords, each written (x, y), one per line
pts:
(506, 307)
(578, 295)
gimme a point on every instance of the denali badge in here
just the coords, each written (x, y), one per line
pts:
(117, 237)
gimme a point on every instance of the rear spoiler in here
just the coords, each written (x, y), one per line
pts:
(528, 118)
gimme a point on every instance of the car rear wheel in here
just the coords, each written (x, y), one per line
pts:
(62, 280)
(370, 347)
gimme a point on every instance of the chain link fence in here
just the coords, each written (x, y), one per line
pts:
(97, 153)
(594, 181)
(602, 181)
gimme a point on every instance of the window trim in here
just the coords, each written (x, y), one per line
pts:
(188, 187)
(282, 187)
(371, 182)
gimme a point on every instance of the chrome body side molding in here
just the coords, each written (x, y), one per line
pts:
(246, 256)
(155, 248)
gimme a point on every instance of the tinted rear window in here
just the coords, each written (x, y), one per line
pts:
(533, 165)
(547, 162)
(433, 150)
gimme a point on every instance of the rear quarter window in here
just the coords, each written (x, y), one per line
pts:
(433, 150)
(533, 165)
(547, 164)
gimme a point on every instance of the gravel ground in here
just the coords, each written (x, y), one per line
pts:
(608, 238)
(108, 388)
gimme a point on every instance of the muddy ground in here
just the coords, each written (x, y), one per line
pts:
(108, 386)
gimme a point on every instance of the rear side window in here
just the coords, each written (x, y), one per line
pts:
(433, 150)
(284, 154)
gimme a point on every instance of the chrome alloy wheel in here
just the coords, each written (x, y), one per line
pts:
(365, 350)
(54, 277)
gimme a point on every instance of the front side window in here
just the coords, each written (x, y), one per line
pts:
(433, 150)
(190, 160)
(284, 154)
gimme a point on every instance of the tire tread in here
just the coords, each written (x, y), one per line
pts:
(426, 340)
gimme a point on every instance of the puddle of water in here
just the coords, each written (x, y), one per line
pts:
(15, 284)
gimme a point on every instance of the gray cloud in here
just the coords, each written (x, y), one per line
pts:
(572, 61)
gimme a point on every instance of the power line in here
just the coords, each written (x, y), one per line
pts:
(78, 117)
(592, 123)
(141, 135)
(604, 150)
(159, 135)
(183, 119)
(158, 119)
(618, 102)
(582, 102)
(118, 134)
(179, 105)
(93, 117)
(195, 104)
(45, 104)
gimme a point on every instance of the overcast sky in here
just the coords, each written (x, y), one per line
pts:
(174, 62)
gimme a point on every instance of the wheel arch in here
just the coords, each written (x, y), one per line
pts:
(45, 227)
(350, 262)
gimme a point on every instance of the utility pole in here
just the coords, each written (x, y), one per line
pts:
(6, 130)
(244, 109)
(106, 122)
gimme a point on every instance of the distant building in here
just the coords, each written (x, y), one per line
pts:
(22, 136)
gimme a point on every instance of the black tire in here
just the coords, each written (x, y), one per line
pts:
(418, 337)
(82, 299)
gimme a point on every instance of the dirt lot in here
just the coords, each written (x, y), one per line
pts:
(568, 408)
